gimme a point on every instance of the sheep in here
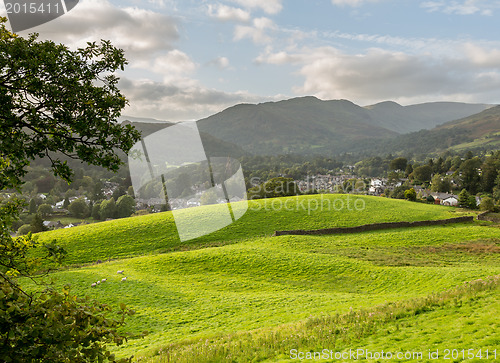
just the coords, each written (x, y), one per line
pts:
(119, 272)
(93, 285)
(98, 282)
(104, 280)
(124, 279)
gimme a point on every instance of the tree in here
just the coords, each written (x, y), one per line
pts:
(470, 175)
(24, 229)
(97, 193)
(275, 187)
(398, 164)
(487, 204)
(53, 102)
(464, 199)
(37, 224)
(45, 210)
(408, 170)
(78, 208)
(422, 173)
(108, 209)
(209, 197)
(125, 206)
(118, 192)
(96, 211)
(33, 206)
(440, 183)
(489, 174)
(410, 194)
(130, 191)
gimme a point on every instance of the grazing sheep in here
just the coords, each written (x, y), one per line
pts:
(119, 272)
(98, 282)
(93, 285)
(124, 279)
(104, 280)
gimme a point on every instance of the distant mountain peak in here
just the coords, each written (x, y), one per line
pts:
(385, 104)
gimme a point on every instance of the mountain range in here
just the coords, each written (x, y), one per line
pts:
(308, 125)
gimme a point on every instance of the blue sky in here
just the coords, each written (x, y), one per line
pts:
(190, 59)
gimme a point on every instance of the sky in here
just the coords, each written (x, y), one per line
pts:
(191, 59)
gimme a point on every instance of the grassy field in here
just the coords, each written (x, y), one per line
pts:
(157, 233)
(238, 294)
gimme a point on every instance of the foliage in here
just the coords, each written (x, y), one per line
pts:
(24, 229)
(398, 192)
(96, 211)
(410, 194)
(44, 210)
(37, 224)
(33, 206)
(422, 173)
(79, 208)
(53, 102)
(398, 164)
(125, 206)
(487, 204)
(107, 209)
(209, 197)
(465, 200)
(440, 183)
(55, 327)
(470, 176)
(276, 187)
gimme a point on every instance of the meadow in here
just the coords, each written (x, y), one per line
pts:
(240, 295)
(156, 233)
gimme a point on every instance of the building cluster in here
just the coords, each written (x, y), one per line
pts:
(329, 183)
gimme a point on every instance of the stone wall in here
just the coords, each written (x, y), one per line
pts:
(375, 226)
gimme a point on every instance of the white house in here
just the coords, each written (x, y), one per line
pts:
(451, 201)
(376, 186)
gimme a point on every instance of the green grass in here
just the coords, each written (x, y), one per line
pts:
(239, 288)
(462, 317)
(157, 233)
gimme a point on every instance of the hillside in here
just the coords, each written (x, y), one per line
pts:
(310, 125)
(300, 125)
(244, 294)
(405, 119)
(156, 233)
(481, 130)
(213, 146)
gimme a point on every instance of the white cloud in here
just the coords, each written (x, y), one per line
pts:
(377, 75)
(256, 32)
(173, 64)
(480, 56)
(268, 6)
(173, 102)
(464, 7)
(139, 32)
(352, 3)
(227, 13)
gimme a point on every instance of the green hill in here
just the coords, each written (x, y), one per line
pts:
(156, 233)
(309, 125)
(232, 295)
(481, 130)
(300, 125)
